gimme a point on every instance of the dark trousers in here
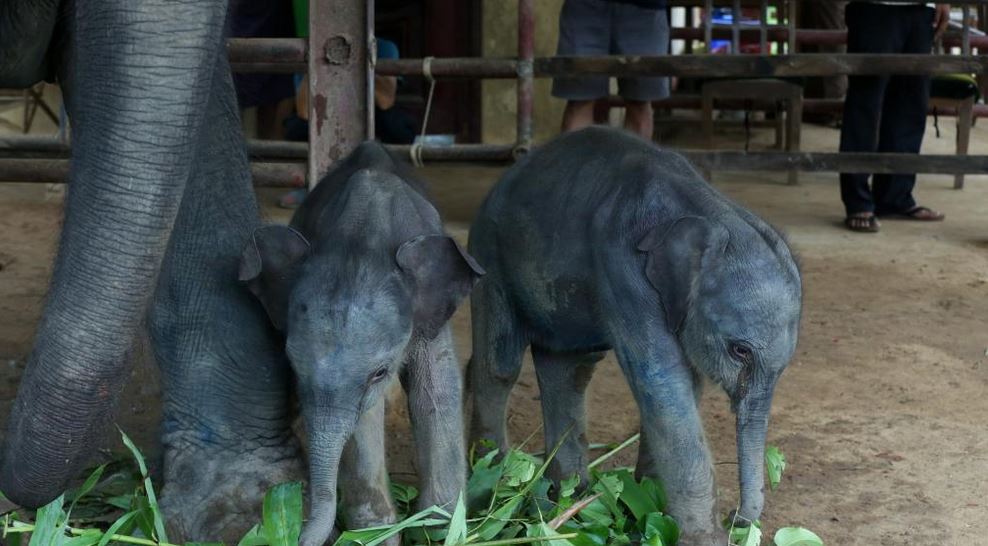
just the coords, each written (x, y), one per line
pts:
(884, 113)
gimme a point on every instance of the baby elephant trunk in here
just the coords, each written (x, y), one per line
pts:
(752, 426)
(328, 430)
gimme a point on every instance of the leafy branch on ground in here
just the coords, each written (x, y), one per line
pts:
(507, 501)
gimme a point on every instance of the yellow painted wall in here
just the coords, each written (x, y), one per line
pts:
(500, 39)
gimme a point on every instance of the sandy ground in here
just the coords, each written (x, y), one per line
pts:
(881, 414)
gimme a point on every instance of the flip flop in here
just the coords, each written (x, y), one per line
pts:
(862, 224)
(920, 214)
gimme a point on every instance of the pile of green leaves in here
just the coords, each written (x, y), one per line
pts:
(507, 501)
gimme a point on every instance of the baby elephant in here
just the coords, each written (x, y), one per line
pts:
(598, 241)
(362, 284)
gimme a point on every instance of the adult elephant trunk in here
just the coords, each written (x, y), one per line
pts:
(328, 429)
(140, 72)
(752, 426)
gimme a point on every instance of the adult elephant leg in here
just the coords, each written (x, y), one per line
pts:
(227, 421)
(141, 71)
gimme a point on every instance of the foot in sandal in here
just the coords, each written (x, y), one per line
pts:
(862, 222)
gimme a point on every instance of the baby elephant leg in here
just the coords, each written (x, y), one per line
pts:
(563, 380)
(364, 489)
(435, 406)
(498, 346)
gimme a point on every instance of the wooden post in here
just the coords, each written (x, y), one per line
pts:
(965, 118)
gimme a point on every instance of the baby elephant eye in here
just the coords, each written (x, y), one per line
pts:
(740, 352)
(378, 375)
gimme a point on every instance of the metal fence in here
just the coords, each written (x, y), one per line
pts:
(339, 58)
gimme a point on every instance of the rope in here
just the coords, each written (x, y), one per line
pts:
(415, 152)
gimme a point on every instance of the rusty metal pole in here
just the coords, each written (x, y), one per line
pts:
(526, 75)
(338, 82)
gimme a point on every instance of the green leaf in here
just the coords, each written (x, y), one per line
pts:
(596, 513)
(747, 536)
(90, 537)
(482, 482)
(87, 486)
(655, 492)
(457, 533)
(493, 524)
(519, 468)
(634, 496)
(775, 462)
(796, 536)
(418, 520)
(539, 530)
(568, 486)
(282, 514)
(587, 534)
(203, 544)
(159, 523)
(49, 524)
(117, 525)
(254, 537)
(404, 493)
(661, 525)
(609, 485)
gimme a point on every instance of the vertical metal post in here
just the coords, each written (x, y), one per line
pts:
(526, 74)
(371, 64)
(708, 30)
(791, 15)
(736, 27)
(966, 30)
(338, 82)
(763, 28)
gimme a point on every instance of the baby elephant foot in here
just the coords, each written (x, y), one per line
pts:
(709, 538)
(217, 496)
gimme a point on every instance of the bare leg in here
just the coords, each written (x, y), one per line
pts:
(578, 114)
(563, 380)
(365, 493)
(638, 118)
(435, 406)
(498, 346)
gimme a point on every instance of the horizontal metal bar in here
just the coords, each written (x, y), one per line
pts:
(803, 36)
(878, 163)
(279, 175)
(746, 66)
(454, 67)
(51, 148)
(293, 174)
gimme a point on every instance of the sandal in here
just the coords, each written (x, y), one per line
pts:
(862, 222)
(920, 214)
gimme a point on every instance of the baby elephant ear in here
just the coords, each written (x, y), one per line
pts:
(269, 265)
(443, 274)
(678, 254)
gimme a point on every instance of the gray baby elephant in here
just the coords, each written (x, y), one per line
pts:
(362, 284)
(598, 241)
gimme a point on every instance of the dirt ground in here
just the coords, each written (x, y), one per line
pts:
(881, 414)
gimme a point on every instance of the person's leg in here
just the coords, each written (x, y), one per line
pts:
(271, 117)
(862, 108)
(640, 31)
(904, 118)
(577, 115)
(583, 30)
(638, 118)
